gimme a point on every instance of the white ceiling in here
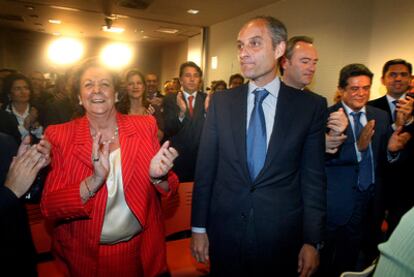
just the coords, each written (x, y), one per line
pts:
(84, 18)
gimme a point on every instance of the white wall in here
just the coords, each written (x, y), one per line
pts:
(345, 31)
(172, 56)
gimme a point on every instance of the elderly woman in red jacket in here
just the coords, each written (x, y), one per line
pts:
(102, 192)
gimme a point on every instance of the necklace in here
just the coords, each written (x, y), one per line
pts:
(111, 140)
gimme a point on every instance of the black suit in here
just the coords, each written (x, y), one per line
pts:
(284, 207)
(184, 135)
(399, 191)
(8, 125)
(17, 254)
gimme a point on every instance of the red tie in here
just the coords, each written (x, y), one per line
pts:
(190, 105)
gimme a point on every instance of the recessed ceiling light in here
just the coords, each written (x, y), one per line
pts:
(55, 21)
(64, 8)
(193, 11)
(56, 33)
(113, 29)
(31, 8)
(167, 30)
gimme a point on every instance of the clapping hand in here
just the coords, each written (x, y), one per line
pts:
(100, 158)
(163, 161)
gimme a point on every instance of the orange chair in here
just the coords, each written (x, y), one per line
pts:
(40, 229)
(177, 214)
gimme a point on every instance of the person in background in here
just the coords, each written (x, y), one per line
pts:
(18, 89)
(169, 88)
(18, 170)
(106, 176)
(396, 77)
(219, 85)
(184, 115)
(135, 102)
(236, 80)
(354, 173)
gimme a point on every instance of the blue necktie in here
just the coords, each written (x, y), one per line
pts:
(394, 114)
(365, 165)
(256, 135)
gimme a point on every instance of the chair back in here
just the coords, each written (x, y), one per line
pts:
(177, 209)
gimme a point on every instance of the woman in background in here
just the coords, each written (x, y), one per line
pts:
(17, 90)
(102, 192)
(134, 100)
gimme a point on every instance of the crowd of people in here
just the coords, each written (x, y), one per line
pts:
(283, 184)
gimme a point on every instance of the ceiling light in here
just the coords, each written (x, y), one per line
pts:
(65, 51)
(113, 29)
(56, 34)
(31, 8)
(55, 21)
(193, 11)
(167, 30)
(116, 55)
(64, 8)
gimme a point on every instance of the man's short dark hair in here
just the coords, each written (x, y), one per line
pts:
(353, 70)
(236, 76)
(277, 29)
(388, 64)
(190, 64)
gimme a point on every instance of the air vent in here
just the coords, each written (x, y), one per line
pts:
(134, 4)
(11, 17)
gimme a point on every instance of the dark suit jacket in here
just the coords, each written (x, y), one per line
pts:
(16, 241)
(342, 168)
(184, 136)
(288, 195)
(8, 125)
(399, 191)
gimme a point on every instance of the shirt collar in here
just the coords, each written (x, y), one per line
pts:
(186, 94)
(348, 110)
(391, 99)
(272, 87)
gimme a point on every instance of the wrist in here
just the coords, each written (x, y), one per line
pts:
(158, 180)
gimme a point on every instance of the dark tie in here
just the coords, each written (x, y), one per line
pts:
(394, 114)
(365, 165)
(190, 105)
(256, 135)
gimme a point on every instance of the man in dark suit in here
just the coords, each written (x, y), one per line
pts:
(396, 76)
(353, 173)
(259, 196)
(184, 115)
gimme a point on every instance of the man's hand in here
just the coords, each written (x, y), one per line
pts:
(398, 140)
(333, 142)
(199, 247)
(156, 101)
(181, 103)
(404, 110)
(366, 135)
(23, 170)
(337, 122)
(308, 260)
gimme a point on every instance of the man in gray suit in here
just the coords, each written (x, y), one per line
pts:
(259, 196)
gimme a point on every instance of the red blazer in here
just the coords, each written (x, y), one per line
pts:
(78, 226)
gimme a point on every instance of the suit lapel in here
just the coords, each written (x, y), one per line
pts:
(238, 123)
(280, 128)
(129, 147)
(83, 142)
(375, 138)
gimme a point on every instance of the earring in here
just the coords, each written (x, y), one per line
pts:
(116, 98)
(80, 102)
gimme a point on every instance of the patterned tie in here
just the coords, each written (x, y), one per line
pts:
(190, 105)
(365, 165)
(394, 114)
(256, 135)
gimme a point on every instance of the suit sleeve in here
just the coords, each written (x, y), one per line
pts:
(61, 199)
(172, 125)
(313, 178)
(207, 162)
